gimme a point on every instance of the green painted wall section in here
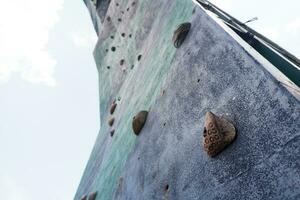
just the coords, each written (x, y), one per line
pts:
(138, 87)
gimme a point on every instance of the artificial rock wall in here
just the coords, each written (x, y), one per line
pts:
(140, 68)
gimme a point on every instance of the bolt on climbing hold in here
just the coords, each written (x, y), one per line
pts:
(112, 108)
(180, 34)
(218, 133)
(113, 48)
(111, 121)
(138, 121)
(166, 188)
(92, 196)
(123, 34)
(122, 62)
(139, 57)
(112, 132)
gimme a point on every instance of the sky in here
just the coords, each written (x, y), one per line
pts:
(49, 109)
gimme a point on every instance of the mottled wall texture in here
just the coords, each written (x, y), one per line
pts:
(140, 68)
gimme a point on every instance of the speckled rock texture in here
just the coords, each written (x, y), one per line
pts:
(209, 72)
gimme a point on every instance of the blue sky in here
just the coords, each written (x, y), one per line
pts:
(49, 113)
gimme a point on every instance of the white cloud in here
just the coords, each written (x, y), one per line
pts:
(24, 34)
(84, 39)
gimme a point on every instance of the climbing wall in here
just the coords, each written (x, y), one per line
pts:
(140, 69)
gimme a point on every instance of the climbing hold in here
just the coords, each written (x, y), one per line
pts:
(93, 196)
(111, 121)
(166, 188)
(139, 57)
(124, 69)
(130, 35)
(127, 9)
(122, 62)
(133, 3)
(112, 37)
(112, 132)
(180, 34)
(119, 19)
(84, 197)
(108, 18)
(218, 133)
(117, 4)
(108, 67)
(113, 48)
(139, 121)
(123, 34)
(119, 98)
(112, 108)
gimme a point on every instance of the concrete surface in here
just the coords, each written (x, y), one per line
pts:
(210, 71)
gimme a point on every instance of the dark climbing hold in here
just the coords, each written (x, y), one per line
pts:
(139, 57)
(112, 132)
(113, 48)
(117, 4)
(84, 197)
(93, 196)
(112, 108)
(198, 80)
(119, 19)
(119, 98)
(127, 9)
(218, 133)
(108, 18)
(130, 35)
(106, 50)
(138, 121)
(108, 67)
(112, 37)
(166, 188)
(111, 121)
(180, 34)
(123, 34)
(133, 3)
(122, 62)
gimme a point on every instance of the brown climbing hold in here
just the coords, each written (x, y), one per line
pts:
(218, 133)
(138, 121)
(112, 108)
(111, 121)
(112, 132)
(93, 196)
(180, 34)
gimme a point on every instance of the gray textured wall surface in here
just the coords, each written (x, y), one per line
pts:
(209, 72)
